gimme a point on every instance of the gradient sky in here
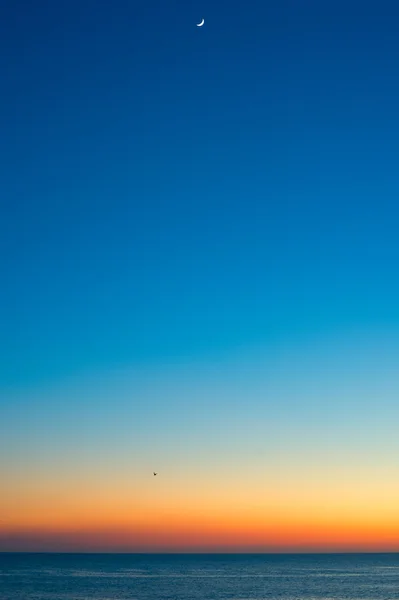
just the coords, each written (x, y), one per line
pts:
(198, 275)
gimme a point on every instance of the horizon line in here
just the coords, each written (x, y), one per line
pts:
(266, 553)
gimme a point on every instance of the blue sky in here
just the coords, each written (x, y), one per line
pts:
(198, 258)
(171, 192)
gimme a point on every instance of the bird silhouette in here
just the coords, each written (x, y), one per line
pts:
(155, 474)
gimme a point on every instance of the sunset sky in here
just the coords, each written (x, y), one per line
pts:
(198, 276)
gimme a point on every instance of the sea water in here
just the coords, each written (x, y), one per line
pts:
(199, 577)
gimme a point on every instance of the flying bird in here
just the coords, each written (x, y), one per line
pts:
(155, 474)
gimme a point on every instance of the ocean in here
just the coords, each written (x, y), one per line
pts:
(199, 577)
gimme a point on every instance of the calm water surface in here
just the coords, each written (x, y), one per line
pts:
(199, 577)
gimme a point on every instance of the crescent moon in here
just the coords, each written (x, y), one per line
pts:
(201, 24)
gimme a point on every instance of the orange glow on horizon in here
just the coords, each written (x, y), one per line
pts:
(206, 533)
(327, 512)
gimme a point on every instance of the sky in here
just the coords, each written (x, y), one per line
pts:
(198, 276)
